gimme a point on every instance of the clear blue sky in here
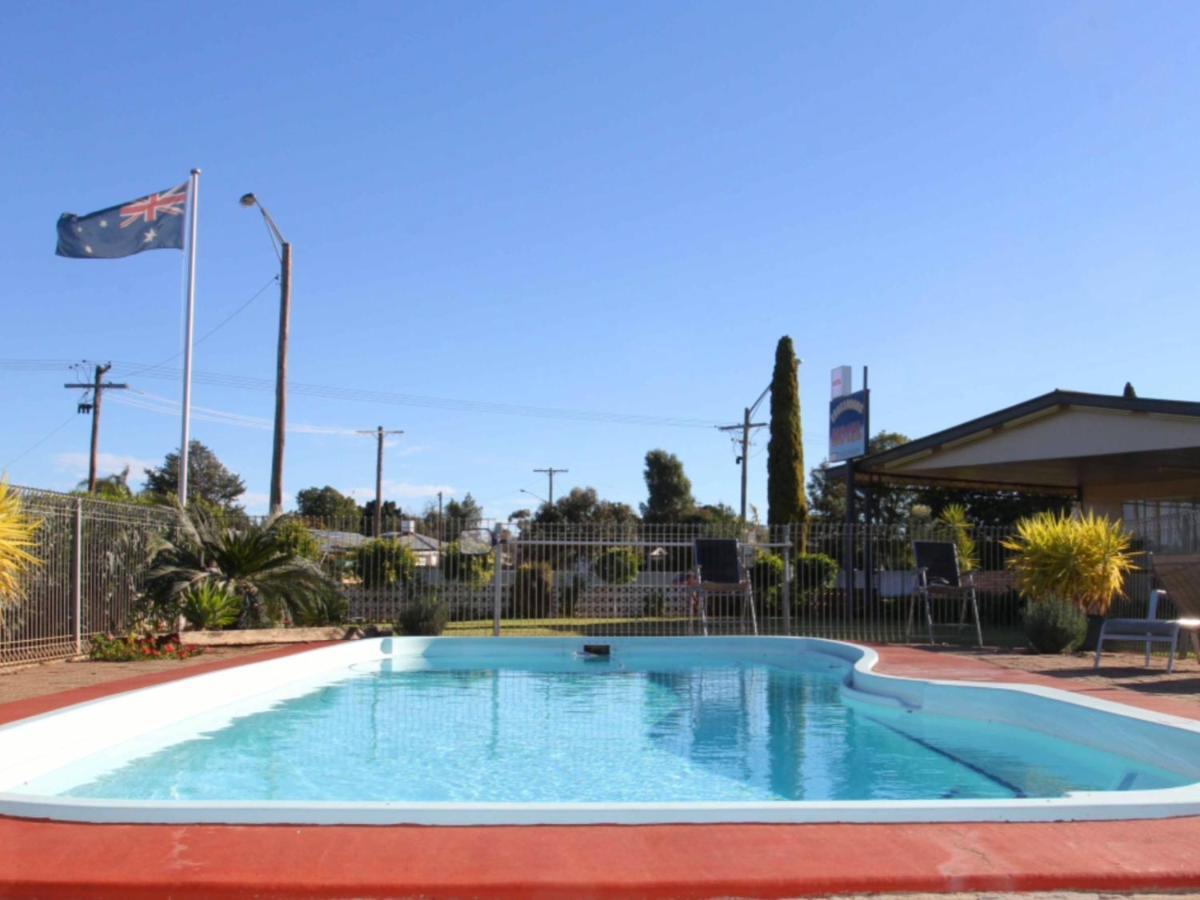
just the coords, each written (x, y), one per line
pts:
(599, 206)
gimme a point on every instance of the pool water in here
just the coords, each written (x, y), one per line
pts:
(567, 729)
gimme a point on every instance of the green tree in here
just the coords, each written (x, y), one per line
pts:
(584, 505)
(785, 450)
(110, 487)
(208, 479)
(391, 516)
(993, 508)
(669, 492)
(465, 513)
(892, 503)
(329, 505)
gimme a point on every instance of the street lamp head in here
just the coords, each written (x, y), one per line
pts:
(248, 200)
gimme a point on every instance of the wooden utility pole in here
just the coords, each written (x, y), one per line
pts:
(551, 472)
(97, 387)
(745, 427)
(377, 528)
(285, 315)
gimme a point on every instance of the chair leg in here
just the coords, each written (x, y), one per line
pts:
(908, 622)
(978, 625)
(1099, 644)
(929, 617)
(1171, 655)
(753, 616)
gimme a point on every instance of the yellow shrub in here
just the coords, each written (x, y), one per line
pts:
(1080, 559)
(16, 539)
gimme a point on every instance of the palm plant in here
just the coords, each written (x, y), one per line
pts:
(17, 531)
(249, 561)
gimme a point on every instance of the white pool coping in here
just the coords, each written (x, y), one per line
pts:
(41, 745)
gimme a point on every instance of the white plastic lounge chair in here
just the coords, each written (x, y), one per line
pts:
(1179, 575)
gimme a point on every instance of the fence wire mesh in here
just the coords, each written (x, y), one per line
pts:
(824, 579)
(93, 557)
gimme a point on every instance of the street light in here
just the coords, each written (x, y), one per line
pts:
(533, 495)
(284, 252)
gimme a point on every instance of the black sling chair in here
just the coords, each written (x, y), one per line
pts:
(938, 576)
(719, 570)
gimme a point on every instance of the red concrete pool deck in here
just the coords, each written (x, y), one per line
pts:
(51, 859)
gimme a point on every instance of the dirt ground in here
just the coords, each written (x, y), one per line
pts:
(52, 677)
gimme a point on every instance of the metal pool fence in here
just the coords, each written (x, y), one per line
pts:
(93, 558)
(826, 579)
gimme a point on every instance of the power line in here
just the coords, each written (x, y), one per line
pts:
(550, 472)
(380, 433)
(51, 433)
(97, 387)
(204, 337)
(153, 403)
(390, 398)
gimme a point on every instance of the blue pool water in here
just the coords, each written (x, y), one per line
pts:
(569, 730)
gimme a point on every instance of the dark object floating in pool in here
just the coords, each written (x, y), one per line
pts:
(597, 651)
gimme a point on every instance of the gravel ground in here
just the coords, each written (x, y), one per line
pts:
(52, 677)
(1117, 670)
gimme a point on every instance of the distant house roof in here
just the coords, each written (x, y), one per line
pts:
(330, 541)
(417, 543)
(1061, 441)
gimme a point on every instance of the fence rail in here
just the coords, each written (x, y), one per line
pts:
(93, 557)
(852, 582)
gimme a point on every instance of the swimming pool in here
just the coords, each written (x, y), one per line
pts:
(487, 731)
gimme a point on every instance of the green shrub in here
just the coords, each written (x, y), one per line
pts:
(1054, 625)
(533, 591)
(458, 565)
(655, 605)
(210, 606)
(815, 572)
(618, 565)
(568, 596)
(109, 648)
(766, 575)
(330, 608)
(385, 563)
(425, 616)
(292, 536)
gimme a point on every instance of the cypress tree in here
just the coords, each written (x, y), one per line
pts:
(785, 452)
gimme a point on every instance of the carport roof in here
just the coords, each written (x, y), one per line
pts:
(1053, 443)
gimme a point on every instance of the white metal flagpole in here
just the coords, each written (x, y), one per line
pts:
(189, 319)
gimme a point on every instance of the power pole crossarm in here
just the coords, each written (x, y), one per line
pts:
(380, 434)
(97, 387)
(550, 472)
(745, 427)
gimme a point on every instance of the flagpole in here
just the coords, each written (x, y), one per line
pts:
(189, 319)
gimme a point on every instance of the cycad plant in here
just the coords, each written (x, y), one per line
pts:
(249, 561)
(209, 605)
(1082, 559)
(17, 530)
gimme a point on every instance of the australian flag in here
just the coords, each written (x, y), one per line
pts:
(151, 223)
